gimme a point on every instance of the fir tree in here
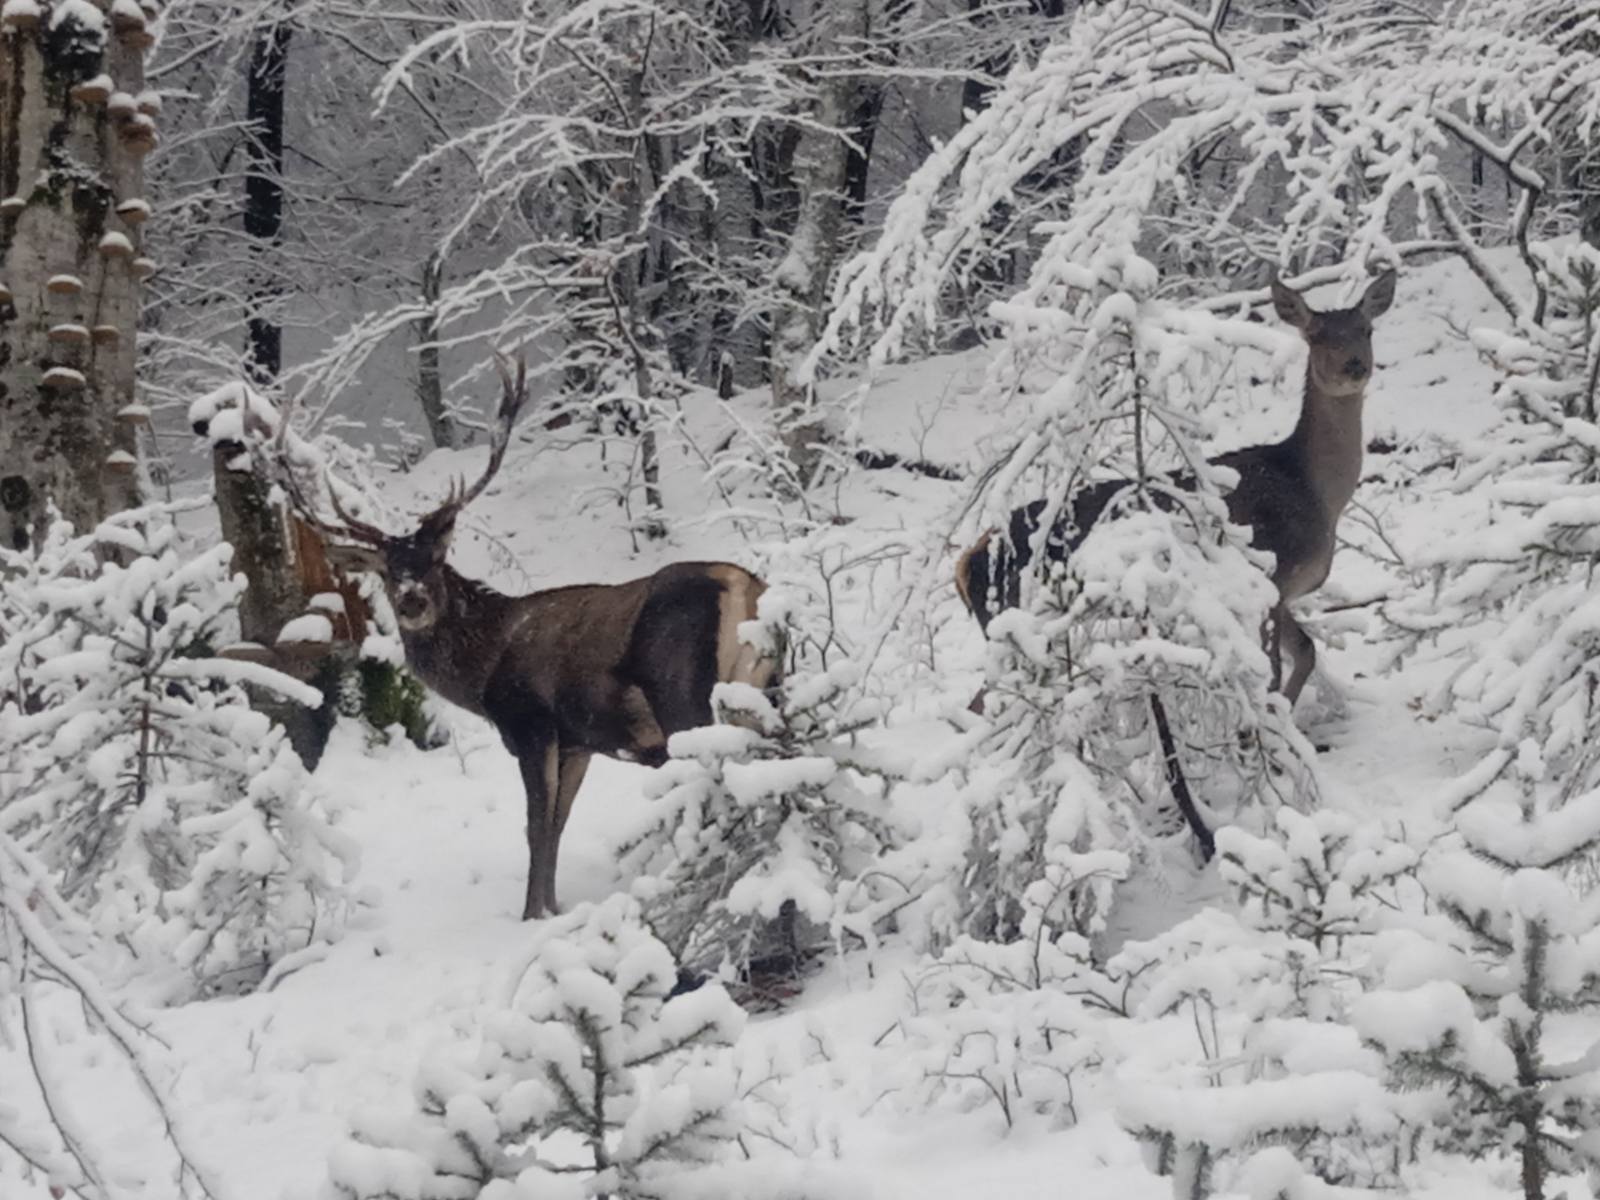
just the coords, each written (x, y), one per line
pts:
(1267, 992)
(593, 1051)
(757, 823)
(172, 815)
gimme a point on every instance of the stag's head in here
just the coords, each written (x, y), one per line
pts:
(1341, 340)
(412, 565)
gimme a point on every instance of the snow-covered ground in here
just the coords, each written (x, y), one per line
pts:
(270, 1081)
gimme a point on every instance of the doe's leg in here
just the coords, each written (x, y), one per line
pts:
(1295, 643)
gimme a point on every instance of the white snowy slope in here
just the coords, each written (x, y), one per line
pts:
(270, 1081)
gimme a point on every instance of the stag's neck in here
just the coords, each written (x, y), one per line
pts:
(1328, 444)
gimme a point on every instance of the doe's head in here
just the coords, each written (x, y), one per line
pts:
(1341, 339)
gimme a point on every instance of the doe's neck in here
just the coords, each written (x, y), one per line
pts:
(1328, 443)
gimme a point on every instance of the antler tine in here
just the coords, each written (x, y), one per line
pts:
(355, 528)
(276, 455)
(351, 528)
(513, 395)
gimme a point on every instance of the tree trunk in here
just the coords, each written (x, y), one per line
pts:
(802, 281)
(263, 193)
(867, 111)
(635, 322)
(745, 221)
(977, 89)
(430, 381)
(71, 214)
(257, 530)
(263, 552)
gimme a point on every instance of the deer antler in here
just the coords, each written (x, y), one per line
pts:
(276, 456)
(513, 395)
(351, 529)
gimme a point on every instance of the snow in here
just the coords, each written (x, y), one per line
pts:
(82, 13)
(309, 628)
(269, 1082)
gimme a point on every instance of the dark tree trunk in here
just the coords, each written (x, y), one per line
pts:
(72, 212)
(976, 89)
(997, 272)
(263, 192)
(257, 530)
(867, 110)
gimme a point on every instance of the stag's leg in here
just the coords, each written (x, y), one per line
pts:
(570, 772)
(541, 778)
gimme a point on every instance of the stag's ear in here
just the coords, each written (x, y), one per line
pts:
(355, 560)
(1379, 295)
(1290, 305)
(441, 544)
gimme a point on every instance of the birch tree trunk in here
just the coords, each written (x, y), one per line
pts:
(76, 126)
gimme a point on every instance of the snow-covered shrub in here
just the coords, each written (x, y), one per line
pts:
(1321, 879)
(1530, 571)
(757, 821)
(1017, 1025)
(591, 1082)
(1266, 992)
(52, 1002)
(172, 815)
(1469, 998)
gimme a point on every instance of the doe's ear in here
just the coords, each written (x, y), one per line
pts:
(1379, 295)
(355, 560)
(1290, 305)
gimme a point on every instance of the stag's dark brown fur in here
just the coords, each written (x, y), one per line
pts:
(563, 674)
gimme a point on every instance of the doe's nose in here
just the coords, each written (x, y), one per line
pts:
(1355, 367)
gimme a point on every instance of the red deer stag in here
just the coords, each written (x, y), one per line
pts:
(1291, 493)
(562, 674)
